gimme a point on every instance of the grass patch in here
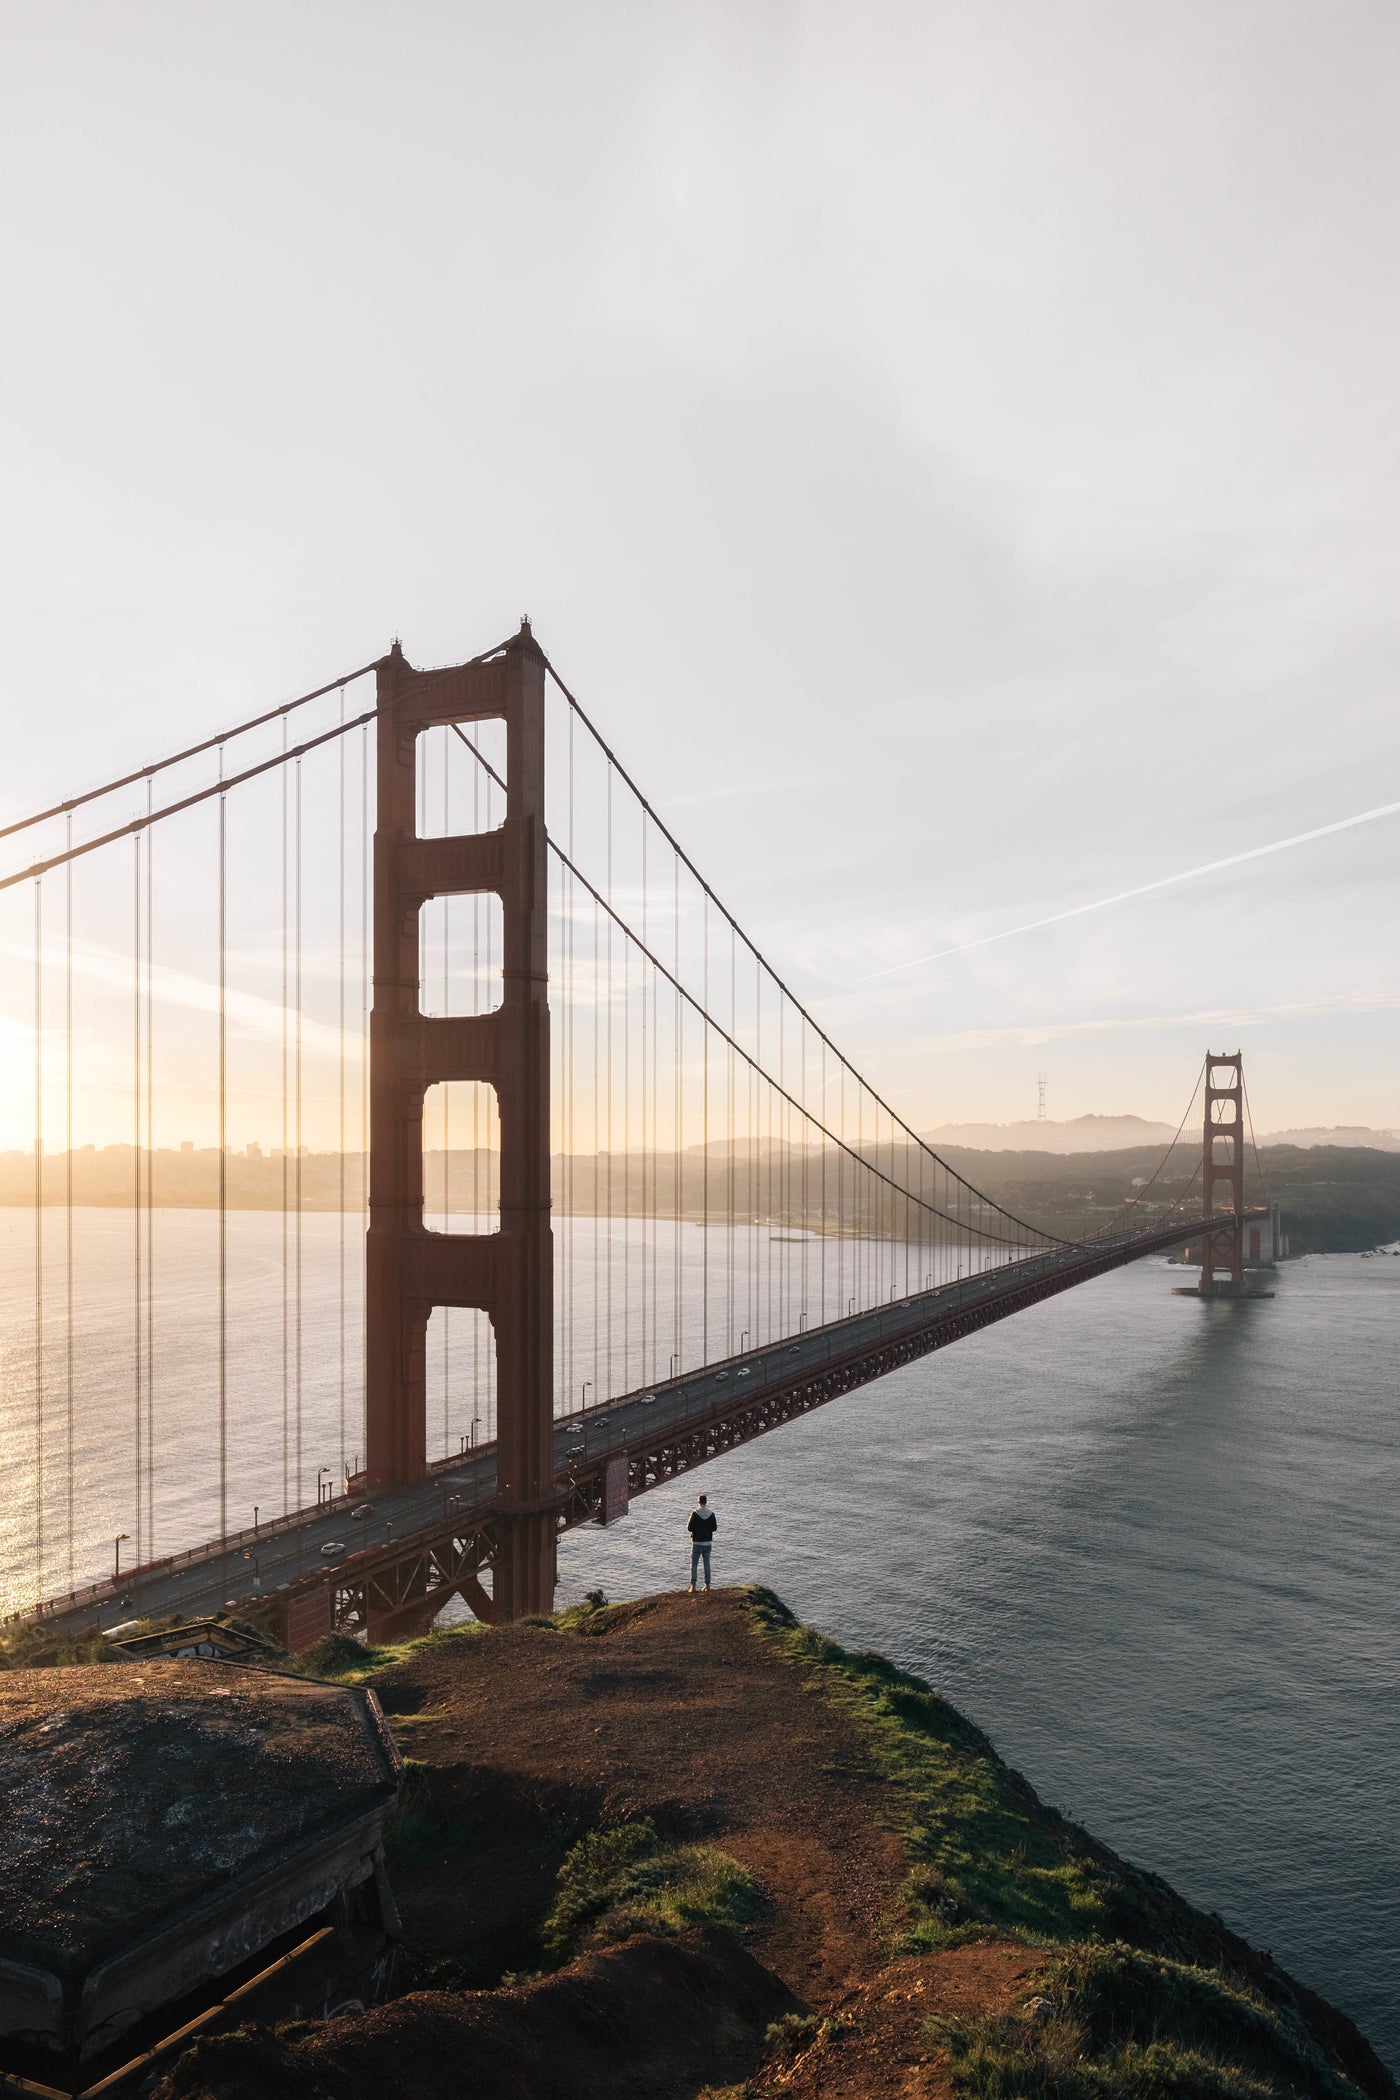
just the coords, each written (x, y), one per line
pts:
(987, 1854)
(1113, 2023)
(626, 1879)
(788, 2037)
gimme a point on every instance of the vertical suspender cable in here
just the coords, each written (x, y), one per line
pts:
(733, 1147)
(597, 1145)
(340, 1142)
(364, 990)
(627, 1299)
(476, 1096)
(645, 1046)
(39, 1236)
(607, 1237)
(298, 1133)
(150, 1183)
(678, 1114)
(68, 1189)
(286, 1166)
(446, 1095)
(566, 1119)
(705, 1138)
(223, 1158)
(138, 1248)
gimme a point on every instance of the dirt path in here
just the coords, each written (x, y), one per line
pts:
(879, 2045)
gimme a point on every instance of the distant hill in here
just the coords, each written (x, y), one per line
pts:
(1338, 1134)
(1120, 1133)
(1079, 1134)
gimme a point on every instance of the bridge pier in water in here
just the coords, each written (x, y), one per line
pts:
(507, 1273)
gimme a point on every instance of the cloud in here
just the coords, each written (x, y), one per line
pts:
(1143, 889)
(249, 1014)
(1031, 1033)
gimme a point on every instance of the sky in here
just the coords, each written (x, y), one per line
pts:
(949, 449)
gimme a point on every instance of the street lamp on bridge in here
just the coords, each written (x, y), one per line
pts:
(117, 1544)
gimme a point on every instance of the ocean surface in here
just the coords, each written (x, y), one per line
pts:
(1150, 1545)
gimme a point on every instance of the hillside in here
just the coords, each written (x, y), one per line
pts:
(687, 1847)
(1078, 1134)
(1337, 1199)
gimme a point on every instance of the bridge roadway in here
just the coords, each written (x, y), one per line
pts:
(660, 1431)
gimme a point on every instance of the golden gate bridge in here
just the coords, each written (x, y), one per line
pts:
(604, 1200)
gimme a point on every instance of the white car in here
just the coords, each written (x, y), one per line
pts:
(647, 1400)
(329, 1551)
(747, 1372)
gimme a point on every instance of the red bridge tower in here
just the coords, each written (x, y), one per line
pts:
(507, 1273)
(1224, 1168)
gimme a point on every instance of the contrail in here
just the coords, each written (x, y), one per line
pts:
(1144, 889)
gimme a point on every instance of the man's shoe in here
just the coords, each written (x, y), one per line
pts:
(691, 1591)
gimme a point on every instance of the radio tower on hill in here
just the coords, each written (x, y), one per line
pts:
(1040, 1112)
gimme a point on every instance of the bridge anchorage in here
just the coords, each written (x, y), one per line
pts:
(699, 1221)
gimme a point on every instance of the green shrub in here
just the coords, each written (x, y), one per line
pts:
(789, 2036)
(624, 1879)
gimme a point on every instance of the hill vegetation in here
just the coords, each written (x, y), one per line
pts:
(1337, 1199)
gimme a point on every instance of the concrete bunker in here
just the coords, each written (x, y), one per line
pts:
(183, 1843)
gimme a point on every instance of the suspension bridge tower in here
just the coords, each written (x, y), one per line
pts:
(507, 1273)
(1222, 1251)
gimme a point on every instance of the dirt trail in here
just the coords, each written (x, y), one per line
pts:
(878, 2044)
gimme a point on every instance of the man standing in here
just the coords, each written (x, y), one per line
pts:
(702, 1527)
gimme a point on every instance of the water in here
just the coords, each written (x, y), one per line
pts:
(1150, 1546)
(1147, 1543)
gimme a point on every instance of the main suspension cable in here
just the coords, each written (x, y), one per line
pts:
(173, 809)
(178, 758)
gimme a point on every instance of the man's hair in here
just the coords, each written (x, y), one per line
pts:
(704, 1498)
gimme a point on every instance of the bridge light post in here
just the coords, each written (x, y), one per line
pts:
(583, 1396)
(117, 1555)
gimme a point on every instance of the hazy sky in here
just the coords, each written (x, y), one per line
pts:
(950, 449)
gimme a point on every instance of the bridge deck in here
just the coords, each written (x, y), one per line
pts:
(440, 1527)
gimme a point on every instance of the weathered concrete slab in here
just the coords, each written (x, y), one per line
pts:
(161, 1822)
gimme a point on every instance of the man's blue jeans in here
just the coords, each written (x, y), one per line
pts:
(699, 1551)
